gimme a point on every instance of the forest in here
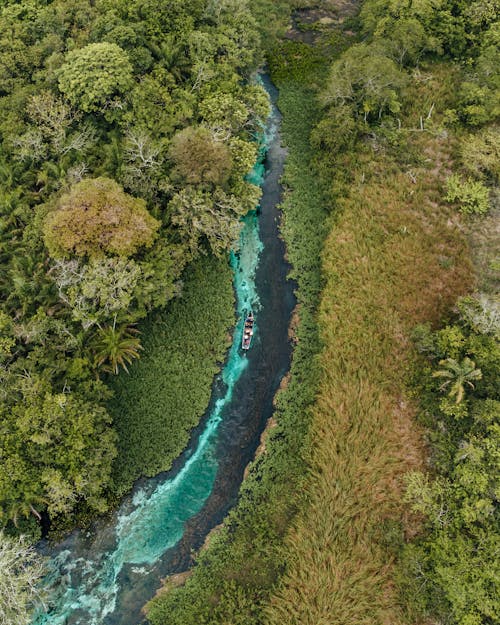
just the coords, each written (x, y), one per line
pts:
(127, 130)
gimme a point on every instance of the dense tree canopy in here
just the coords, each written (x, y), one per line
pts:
(57, 447)
(367, 79)
(95, 77)
(95, 218)
(126, 133)
(198, 158)
(457, 556)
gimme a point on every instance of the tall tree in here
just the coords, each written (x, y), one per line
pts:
(96, 77)
(95, 218)
(366, 77)
(198, 158)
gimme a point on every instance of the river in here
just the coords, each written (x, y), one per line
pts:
(104, 576)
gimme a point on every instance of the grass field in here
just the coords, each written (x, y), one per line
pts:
(395, 256)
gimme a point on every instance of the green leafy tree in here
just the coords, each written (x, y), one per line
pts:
(207, 217)
(115, 347)
(21, 570)
(479, 98)
(57, 447)
(243, 156)
(98, 290)
(367, 78)
(198, 158)
(458, 558)
(95, 218)
(96, 76)
(7, 340)
(158, 106)
(457, 375)
(223, 114)
(405, 40)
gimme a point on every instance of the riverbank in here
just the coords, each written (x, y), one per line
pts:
(121, 560)
(395, 256)
(383, 262)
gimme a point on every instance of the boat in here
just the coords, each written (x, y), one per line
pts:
(248, 331)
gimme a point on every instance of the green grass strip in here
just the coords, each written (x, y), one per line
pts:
(167, 391)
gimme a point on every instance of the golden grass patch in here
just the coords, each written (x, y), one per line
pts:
(395, 257)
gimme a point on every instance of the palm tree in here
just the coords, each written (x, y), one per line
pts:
(114, 347)
(26, 507)
(457, 375)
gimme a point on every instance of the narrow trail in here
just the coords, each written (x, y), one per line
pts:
(106, 575)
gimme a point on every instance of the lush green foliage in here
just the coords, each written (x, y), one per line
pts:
(157, 405)
(480, 154)
(367, 79)
(471, 196)
(94, 77)
(105, 109)
(48, 438)
(236, 574)
(116, 347)
(96, 218)
(455, 563)
(21, 570)
(393, 258)
(469, 31)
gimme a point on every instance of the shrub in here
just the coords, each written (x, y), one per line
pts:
(472, 196)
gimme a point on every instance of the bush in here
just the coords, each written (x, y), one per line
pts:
(480, 154)
(472, 196)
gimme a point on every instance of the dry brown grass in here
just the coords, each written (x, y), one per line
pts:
(395, 257)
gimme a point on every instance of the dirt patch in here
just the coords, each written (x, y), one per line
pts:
(307, 24)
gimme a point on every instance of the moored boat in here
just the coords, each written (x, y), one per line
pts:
(248, 331)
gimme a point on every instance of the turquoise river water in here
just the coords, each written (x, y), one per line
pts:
(105, 576)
